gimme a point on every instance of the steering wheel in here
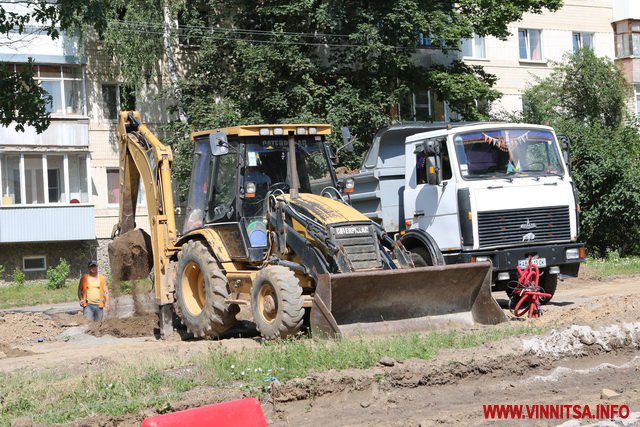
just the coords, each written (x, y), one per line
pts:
(279, 186)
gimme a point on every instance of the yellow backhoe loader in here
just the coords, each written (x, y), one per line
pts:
(266, 225)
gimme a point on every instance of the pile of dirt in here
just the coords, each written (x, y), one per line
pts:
(130, 256)
(27, 328)
(142, 325)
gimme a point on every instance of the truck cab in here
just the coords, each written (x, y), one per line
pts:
(476, 192)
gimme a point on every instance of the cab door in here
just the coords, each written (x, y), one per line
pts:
(432, 207)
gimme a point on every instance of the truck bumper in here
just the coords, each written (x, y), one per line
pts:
(506, 260)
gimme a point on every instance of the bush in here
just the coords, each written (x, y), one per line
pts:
(57, 276)
(1, 271)
(18, 277)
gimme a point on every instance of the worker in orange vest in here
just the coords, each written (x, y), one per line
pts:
(93, 293)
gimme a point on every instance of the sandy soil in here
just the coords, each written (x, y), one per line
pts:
(594, 346)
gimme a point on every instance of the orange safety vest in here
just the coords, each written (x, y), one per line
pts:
(103, 288)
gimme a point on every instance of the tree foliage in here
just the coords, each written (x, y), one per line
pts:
(585, 100)
(349, 63)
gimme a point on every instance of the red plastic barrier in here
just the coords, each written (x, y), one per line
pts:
(236, 413)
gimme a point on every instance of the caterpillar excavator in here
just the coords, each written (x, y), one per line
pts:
(267, 226)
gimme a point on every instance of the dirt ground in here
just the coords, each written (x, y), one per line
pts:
(594, 345)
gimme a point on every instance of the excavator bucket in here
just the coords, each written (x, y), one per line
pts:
(131, 255)
(405, 300)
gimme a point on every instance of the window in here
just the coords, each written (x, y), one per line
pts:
(34, 263)
(40, 178)
(582, 41)
(113, 188)
(627, 39)
(422, 105)
(637, 90)
(530, 44)
(110, 104)
(10, 168)
(473, 47)
(34, 179)
(65, 84)
(55, 179)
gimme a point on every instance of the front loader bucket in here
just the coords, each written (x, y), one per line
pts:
(404, 300)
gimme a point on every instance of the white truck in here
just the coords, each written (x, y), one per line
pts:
(455, 193)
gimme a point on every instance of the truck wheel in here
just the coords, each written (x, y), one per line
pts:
(201, 291)
(276, 302)
(549, 283)
(423, 257)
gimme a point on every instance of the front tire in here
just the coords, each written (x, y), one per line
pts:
(201, 291)
(424, 257)
(276, 302)
(548, 282)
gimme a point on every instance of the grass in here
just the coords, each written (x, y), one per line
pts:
(613, 266)
(34, 293)
(64, 396)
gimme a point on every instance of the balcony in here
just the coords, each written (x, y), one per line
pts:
(42, 223)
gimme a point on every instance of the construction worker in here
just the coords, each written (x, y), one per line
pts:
(93, 293)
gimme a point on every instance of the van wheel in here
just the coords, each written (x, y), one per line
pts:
(276, 302)
(201, 291)
(548, 282)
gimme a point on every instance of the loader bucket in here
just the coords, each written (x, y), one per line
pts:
(131, 255)
(404, 300)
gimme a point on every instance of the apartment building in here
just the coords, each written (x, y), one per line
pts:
(60, 189)
(626, 24)
(529, 53)
(536, 42)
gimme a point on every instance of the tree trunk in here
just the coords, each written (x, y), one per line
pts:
(170, 26)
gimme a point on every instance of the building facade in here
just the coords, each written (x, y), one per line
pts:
(60, 189)
(535, 43)
(626, 25)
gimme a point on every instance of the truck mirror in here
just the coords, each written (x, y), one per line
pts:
(434, 170)
(346, 139)
(432, 146)
(565, 145)
(218, 143)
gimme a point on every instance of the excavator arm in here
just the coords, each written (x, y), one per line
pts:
(132, 253)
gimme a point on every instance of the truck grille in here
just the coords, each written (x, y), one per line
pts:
(523, 226)
(359, 244)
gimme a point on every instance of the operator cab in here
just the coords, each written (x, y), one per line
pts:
(230, 186)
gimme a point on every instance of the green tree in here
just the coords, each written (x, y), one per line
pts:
(584, 88)
(584, 98)
(346, 62)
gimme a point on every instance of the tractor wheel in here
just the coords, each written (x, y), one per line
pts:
(423, 257)
(548, 282)
(201, 291)
(276, 302)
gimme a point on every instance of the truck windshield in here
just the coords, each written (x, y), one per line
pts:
(507, 152)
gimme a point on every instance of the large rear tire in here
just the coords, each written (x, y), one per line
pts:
(276, 302)
(201, 291)
(548, 282)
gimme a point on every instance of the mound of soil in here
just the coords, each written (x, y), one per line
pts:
(142, 325)
(27, 328)
(130, 256)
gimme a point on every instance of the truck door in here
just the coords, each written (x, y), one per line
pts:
(432, 207)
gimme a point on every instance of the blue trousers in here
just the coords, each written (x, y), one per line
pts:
(93, 312)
